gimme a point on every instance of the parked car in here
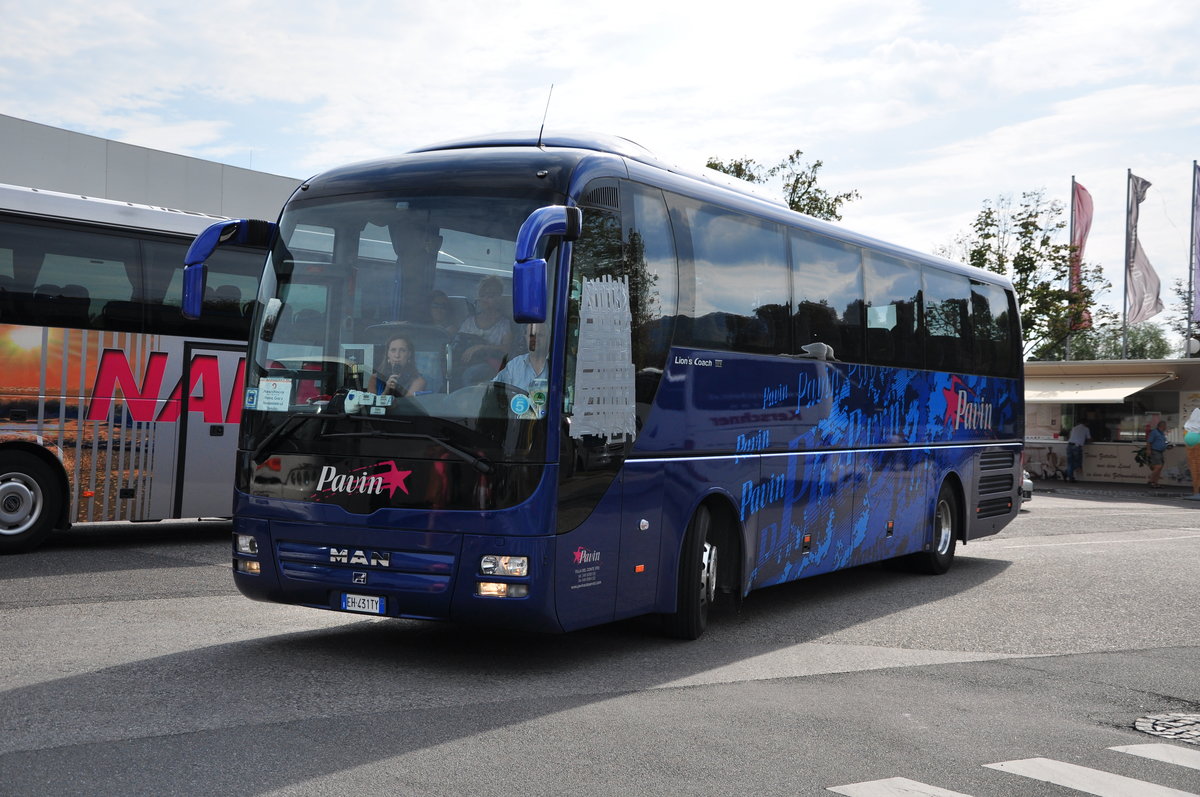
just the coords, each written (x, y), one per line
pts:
(1026, 487)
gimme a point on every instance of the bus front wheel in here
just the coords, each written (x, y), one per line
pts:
(947, 527)
(697, 580)
(29, 497)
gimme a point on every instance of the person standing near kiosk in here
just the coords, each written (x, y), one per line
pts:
(1080, 434)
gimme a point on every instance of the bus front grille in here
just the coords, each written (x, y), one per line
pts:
(422, 581)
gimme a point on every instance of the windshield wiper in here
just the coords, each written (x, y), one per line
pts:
(480, 464)
(293, 422)
(287, 428)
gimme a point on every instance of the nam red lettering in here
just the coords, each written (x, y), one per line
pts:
(114, 372)
(205, 372)
(236, 392)
(204, 389)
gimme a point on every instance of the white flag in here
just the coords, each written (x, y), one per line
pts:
(1142, 285)
(1195, 239)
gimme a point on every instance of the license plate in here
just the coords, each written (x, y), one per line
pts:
(367, 604)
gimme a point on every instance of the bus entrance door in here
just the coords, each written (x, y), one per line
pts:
(212, 408)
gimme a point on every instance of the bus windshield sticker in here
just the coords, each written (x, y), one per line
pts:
(604, 403)
(274, 395)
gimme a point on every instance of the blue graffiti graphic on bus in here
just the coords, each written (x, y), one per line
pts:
(832, 405)
(856, 435)
(753, 441)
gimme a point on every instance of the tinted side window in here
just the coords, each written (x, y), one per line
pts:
(653, 286)
(229, 294)
(741, 274)
(996, 340)
(893, 288)
(947, 321)
(827, 287)
(64, 277)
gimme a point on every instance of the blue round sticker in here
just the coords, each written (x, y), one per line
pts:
(519, 405)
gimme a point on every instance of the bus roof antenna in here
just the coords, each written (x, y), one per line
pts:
(544, 115)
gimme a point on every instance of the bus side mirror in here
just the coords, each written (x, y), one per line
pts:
(242, 232)
(529, 273)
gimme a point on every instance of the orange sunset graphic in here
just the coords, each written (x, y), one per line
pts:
(85, 448)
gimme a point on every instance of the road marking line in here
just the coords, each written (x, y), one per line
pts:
(1103, 542)
(893, 787)
(1163, 752)
(1089, 781)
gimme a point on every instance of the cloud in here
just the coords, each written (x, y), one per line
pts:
(926, 107)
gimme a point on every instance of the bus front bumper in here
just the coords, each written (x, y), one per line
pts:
(499, 581)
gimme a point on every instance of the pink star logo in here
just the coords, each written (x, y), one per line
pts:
(952, 408)
(393, 477)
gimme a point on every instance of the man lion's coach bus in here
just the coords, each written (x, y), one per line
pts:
(112, 405)
(733, 395)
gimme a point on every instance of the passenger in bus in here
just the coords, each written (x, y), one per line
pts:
(402, 378)
(488, 333)
(522, 370)
(439, 313)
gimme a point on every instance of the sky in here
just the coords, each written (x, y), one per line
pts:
(927, 109)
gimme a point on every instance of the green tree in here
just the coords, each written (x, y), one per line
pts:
(1179, 316)
(1105, 341)
(1022, 243)
(798, 180)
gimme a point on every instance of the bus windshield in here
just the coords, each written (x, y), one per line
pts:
(391, 317)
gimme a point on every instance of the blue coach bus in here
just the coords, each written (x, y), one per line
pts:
(733, 395)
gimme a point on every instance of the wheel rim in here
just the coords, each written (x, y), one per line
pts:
(943, 527)
(708, 574)
(20, 503)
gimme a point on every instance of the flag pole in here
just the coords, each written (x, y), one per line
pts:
(1128, 262)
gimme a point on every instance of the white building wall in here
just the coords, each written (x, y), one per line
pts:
(40, 156)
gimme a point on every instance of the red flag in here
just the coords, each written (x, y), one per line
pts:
(1081, 225)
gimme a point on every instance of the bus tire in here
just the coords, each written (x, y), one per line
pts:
(947, 527)
(697, 580)
(30, 496)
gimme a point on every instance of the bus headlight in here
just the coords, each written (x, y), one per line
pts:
(495, 565)
(494, 589)
(247, 543)
(248, 567)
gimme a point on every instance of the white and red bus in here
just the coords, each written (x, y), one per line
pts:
(112, 407)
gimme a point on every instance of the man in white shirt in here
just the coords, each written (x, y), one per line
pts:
(522, 370)
(1079, 435)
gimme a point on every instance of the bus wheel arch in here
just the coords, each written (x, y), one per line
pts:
(710, 564)
(33, 492)
(947, 528)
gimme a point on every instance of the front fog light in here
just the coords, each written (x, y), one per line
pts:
(247, 543)
(494, 565)
(249, 568)
(492, 589)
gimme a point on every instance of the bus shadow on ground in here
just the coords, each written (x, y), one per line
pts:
(314, 704)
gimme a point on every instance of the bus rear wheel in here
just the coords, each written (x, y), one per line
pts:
(29, 498)
(697, 580)
(947, 528)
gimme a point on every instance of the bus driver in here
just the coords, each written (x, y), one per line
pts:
(522, 370)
